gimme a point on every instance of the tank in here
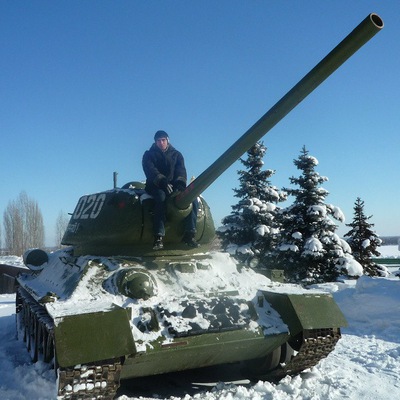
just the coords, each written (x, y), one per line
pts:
(108, 307)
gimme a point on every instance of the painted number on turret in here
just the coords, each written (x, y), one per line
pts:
(89, 206)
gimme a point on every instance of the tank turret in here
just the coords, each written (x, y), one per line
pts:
(109, 307)
(119, 221)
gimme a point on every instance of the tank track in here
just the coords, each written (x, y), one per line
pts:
(95, 381)
(312, 346)
(99, 380)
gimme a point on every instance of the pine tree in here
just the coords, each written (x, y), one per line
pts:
(310, 251)
(364, 241)
(251, 230)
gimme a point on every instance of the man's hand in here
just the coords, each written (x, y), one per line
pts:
(179, 186)
(164, 185)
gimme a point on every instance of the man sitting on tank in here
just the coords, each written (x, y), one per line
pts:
(165, 171)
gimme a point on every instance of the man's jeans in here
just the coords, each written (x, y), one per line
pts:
(159, 197)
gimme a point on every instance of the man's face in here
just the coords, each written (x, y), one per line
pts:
(162, 143)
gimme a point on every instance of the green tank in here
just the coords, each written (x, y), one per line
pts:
(108, 307)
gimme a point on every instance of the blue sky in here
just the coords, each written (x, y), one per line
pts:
(85, 84)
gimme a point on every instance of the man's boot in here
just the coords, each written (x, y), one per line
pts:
(188, 239)
(158, 243)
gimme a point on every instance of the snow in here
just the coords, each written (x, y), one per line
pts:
(12, 260)
(345, 246)
(364, 365)
(297, 235)
(336, 212)
(263, 230)
(313, 159)
(313, 245)
(286, 247)
(353, 267)
(366, 243)
(319, 210)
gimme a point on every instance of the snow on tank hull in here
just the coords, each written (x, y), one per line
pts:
(131, 317)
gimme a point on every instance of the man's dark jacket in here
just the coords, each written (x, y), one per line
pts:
(158, 164)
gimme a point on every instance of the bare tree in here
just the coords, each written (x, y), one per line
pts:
(13, 229)
(23, 225)
(61, 226)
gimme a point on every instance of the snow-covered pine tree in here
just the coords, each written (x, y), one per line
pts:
(250, 230)
(310, 251)
(364, 241)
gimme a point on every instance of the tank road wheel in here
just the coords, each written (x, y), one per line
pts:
(35, 328)
(287, 353)
(37, 334)
(24, 326)
(303, 351)
(48, 348)
(19, 318)
(30, 326)
(33, 339)
(30, 331)
(38, 344)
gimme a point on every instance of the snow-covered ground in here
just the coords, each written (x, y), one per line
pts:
(364, 365)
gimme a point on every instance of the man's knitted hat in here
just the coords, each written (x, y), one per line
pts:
(160, 134)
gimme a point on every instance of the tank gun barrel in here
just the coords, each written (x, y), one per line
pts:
(344, 50)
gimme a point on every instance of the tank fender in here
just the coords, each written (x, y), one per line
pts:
(93, 336)
(306, 311)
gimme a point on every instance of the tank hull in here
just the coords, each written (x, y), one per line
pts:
(200, 312)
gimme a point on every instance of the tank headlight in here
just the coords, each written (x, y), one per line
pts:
(35, 259)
